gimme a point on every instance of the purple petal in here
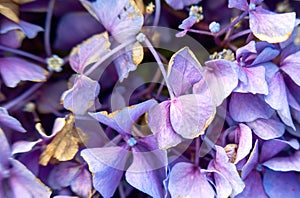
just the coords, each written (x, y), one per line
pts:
(252, 161)
(24, 146)
(188, 22)
(191, 114)
(222, 185)
(267, 54)
(160, 124)
(219, 79)
(245, 142)
(276, 27)
(228, 170)
(147, 171)
(121, 23)
(12, 38)
(82, 183)
(5, 152)
(89, 51)
(24, 183)
(267, 129)
(184, 71)
(277, 99)
(280, 184)
(82, 29)
(256, 82)
(239, 4)
(80, 98)
(123, 120)
(246, 51)
(180, 4)
(254, 186)
(14, 70)
(246, 107)
(9, 121)
(284, 164)
(290, 66)
(186, 180)
(107, 165)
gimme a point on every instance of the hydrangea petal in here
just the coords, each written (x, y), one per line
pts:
(4, 150)
(13, 70)
(291, 65)
(12, 38)
(284, 164)
(160, 124)
(276, 27)
(281, 184)
(89, 51)
(180, 4)
(245, 142)
(267, 129)
(82, 184)
(191, 114)
(251, 162)
(107, 165)
(188, 22)
(184, 70)
(267, 54)
(9, 121)
(186, 180)
(239, 4)
(81, 97)
(246, 107)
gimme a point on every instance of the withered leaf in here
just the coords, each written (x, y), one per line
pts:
(22, 1)
(10, 10)
(65, 144)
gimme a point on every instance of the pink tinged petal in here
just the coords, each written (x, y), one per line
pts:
(239, 4)
(107, 165)
(277, 99)
(5, 151)
(83, 28)
(188, 22)
(228, 170)
(14, 70)
(291, 65)
(246, 107)
(254, 186)
(160, 125)
(23, 182)
(267, 129)
(256, 82)
(272, 147)
(281, 184)
(184, 71)
(9, 121)
(123, 120)
(252, 161)
(180, 4)
(219, 79)
(187, 180)
(125, 22)
(284, 164)
(191, 114)
(82, 183)
(147, 171)
(244, 134)
(222, 185)
(89, 51)
(81, 97)
(271, 27)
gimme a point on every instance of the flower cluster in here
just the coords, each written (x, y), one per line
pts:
(133, 98)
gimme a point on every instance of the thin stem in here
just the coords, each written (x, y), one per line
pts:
(48, 28)
(157, 12)
(160, 65)
(121, 191)
(196, 161)
(231, 25)
(204, 32)
(106, 56)
(22, 53)
(239, 34)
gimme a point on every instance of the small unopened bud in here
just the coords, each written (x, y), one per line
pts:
(141, 37)
(214, 27)
(55, 63)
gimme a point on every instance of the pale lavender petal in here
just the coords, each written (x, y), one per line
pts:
(4, 151)
(246, 51)
(188, 22)
(160, 125)
(223, 187)
(89, 51)
(186, 180)
(281, 184)
(239, 4)
(228, 170)
(24, 146)
(271, 27)
(246, 107)
(270, 70)
(277, 99)
(9, 121)
(14, 70)
(80, 98)
(244, 134)
(254, 186)
(24, 183)
(252, 162)
(107, 165)
(184, 71)
(191, 114)
(284, 164)
(291, 65)
(180, 4)
(267, 128)
(147, 171)
(82, 183)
